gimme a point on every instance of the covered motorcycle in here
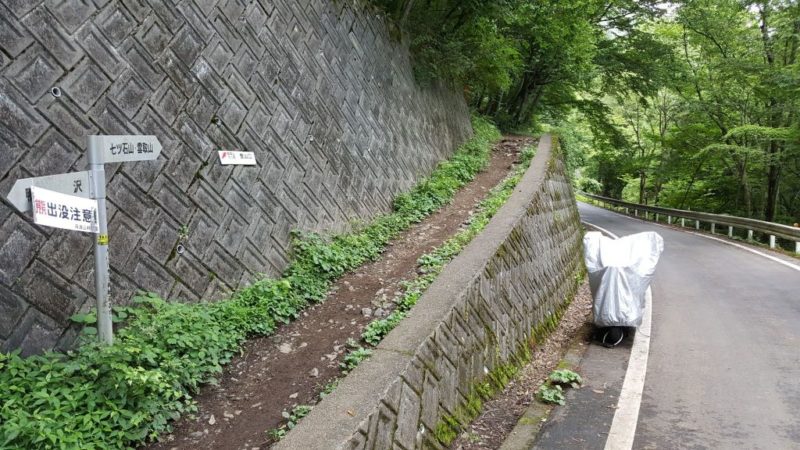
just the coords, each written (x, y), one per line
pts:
(620, 271)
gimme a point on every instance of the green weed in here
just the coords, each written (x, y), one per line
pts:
(292, 418)
(551, 394)
(552, 391)
(431, 264)
(328, 388)
(565, 377)
(353, 358)
(118, 396)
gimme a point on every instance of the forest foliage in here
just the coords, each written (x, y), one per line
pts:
(687, 104)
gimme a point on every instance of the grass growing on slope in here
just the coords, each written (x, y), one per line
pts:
(431, 264)
(99, 397)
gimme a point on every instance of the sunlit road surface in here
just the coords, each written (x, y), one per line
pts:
(724, 363)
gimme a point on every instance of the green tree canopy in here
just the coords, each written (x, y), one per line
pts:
(690, 104)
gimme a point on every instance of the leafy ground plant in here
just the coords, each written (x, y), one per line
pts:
(551, 394)
(328, 388)
(292, 418)
(98, 397)
(553, 390)
(431, 264)
(353, 358)
(565, 377)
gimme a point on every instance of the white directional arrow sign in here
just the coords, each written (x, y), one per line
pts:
(73, 183)
(114, 149)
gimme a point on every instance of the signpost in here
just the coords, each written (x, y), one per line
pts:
(57, 210)
(77, 201)
(73, 183)
(227, 157)
(110, 149)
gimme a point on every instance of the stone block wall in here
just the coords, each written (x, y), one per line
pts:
(481, 310)
(316, 88)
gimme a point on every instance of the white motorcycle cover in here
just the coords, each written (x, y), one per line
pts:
(620, 271)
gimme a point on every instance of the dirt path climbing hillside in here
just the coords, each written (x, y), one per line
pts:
(291, 367)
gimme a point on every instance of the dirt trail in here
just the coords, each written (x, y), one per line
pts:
(291, 367)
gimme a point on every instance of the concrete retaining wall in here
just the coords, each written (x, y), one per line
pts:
(482, 309)
(317, 89)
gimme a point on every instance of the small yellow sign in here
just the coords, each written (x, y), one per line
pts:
(102, 239)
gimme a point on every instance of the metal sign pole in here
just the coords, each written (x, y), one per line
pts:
(101, 283)
(71, 188)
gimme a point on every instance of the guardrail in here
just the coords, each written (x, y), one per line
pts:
(773, 230)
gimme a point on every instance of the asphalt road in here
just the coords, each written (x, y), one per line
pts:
(724, 364)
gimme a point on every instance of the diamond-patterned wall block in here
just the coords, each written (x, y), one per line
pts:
(318, 90)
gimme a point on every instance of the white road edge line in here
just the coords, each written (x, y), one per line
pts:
(751, 250)
(601, 229)
(626, 417)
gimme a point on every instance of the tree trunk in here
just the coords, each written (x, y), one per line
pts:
(493, 105)
(642, 185)
(773, 182)
(528, 106)
(747, 195)
(774, 149)
(478, 101)
(691, 182)
(406, 11)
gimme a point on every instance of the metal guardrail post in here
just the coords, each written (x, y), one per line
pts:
(749, 235)
(696, 224)
(730, 231)
(683, 222)
(771, 241)
(797, 247)
(713, 228)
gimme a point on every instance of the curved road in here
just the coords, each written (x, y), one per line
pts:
(724, 364)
